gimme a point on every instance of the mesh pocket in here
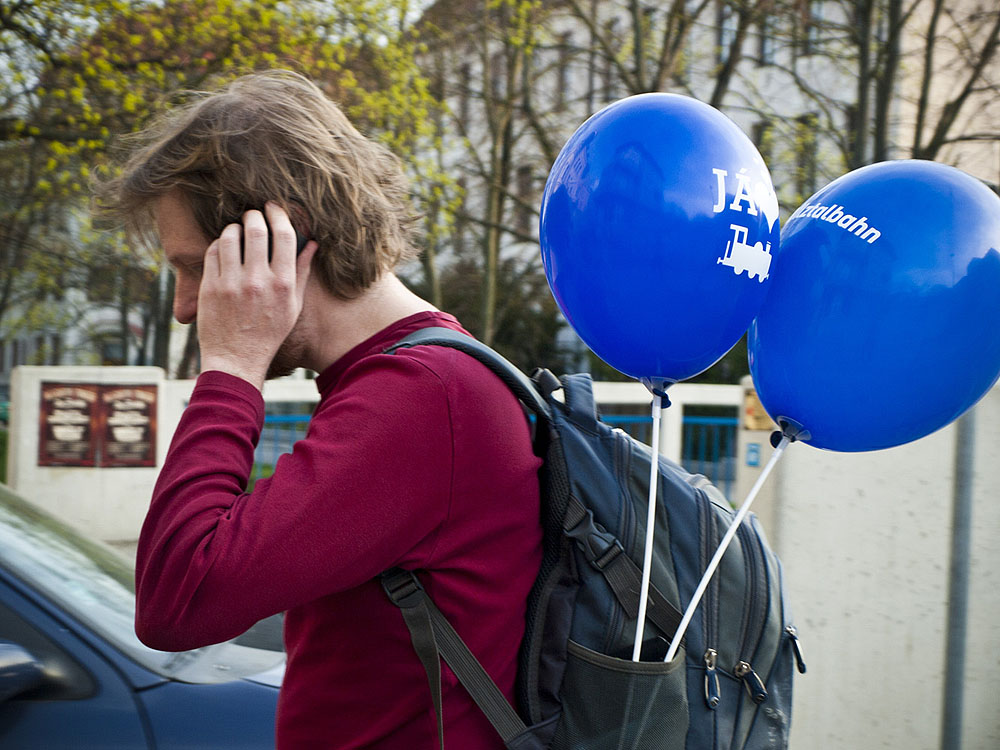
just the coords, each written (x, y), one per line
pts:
(614, 704)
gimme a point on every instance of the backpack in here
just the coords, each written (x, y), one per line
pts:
(730, 685)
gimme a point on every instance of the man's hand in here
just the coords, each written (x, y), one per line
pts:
(247, 305)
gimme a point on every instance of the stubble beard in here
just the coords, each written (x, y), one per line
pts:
(288, 358)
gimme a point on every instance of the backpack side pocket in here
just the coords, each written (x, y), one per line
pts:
(611, 703)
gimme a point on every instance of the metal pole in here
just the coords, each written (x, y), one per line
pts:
(958, 583)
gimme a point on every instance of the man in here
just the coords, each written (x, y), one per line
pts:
(419, 459)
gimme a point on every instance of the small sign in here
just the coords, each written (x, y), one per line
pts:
(754, 415)
(82, 424)
(68, 425)
(753, 454)
(128, 417)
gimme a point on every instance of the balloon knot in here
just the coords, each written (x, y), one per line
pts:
(789, 429)
(662, 395)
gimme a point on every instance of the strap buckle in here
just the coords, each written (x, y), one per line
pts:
(599, 546)
(610, 555)
(403, 587)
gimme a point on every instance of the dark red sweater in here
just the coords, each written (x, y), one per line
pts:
(419, 459)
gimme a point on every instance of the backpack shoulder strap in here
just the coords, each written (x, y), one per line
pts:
(433, 636)
(516, 380)
(433, 639)
(620, 571)
(580, 403)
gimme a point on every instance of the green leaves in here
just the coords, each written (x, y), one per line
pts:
(81, 75)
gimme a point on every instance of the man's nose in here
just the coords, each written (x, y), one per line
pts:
(185, 300)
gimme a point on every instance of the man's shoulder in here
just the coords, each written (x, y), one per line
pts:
(424, 367)
(420, 383)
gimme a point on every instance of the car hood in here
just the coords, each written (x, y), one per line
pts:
(271, 677)
(223, 662)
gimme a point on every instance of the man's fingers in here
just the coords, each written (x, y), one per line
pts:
(230, 249)
(255, 240)
(210, 264)
(282, 238)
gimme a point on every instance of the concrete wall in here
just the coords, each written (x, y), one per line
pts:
(108, 503)
(865, 540)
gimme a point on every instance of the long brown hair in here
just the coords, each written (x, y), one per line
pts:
(274, 136)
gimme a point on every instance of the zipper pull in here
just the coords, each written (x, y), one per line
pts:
(794, 635)
(752, 682)
(712, 694)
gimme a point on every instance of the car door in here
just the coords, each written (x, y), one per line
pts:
(83, 701)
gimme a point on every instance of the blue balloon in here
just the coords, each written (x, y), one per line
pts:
(657, 225)
(882, 323)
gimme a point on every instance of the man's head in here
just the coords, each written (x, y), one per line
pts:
(275, 136)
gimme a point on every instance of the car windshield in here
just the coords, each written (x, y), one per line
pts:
(97, 587)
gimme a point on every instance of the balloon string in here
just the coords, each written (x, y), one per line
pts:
(723, 546)
(647, 560)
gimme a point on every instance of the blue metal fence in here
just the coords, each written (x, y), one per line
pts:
(709, 448)
(279, 434)
(709, 443)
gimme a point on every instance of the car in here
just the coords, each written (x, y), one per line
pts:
(73, 674)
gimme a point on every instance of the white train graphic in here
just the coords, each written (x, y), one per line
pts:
(754, 259)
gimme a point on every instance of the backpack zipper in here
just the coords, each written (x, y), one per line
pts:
(791, 630)
(794, 635)
(755, 618)
(752, 682)
(709, 539)
(712, 693)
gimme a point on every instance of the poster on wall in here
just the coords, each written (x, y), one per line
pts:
(82, 424)
(128, 419)
(68, 425)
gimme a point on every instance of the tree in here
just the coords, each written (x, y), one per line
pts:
(960, 53)
(87, 73)
(920, 77)
(949, 46)
(486, 59)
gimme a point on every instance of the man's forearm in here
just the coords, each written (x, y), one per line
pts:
(180, 601)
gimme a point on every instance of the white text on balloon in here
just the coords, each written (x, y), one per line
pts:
(834, 214)
(760, 196)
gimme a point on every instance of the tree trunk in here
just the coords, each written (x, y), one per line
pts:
(124, 303)
(499, 178)
(188, 366)
(886, 81)
(638, 45)
(733, 57)
(927, 75)
(497, 193)
(428, 258)
(949, 114)
(163, 312)
(863, 30)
